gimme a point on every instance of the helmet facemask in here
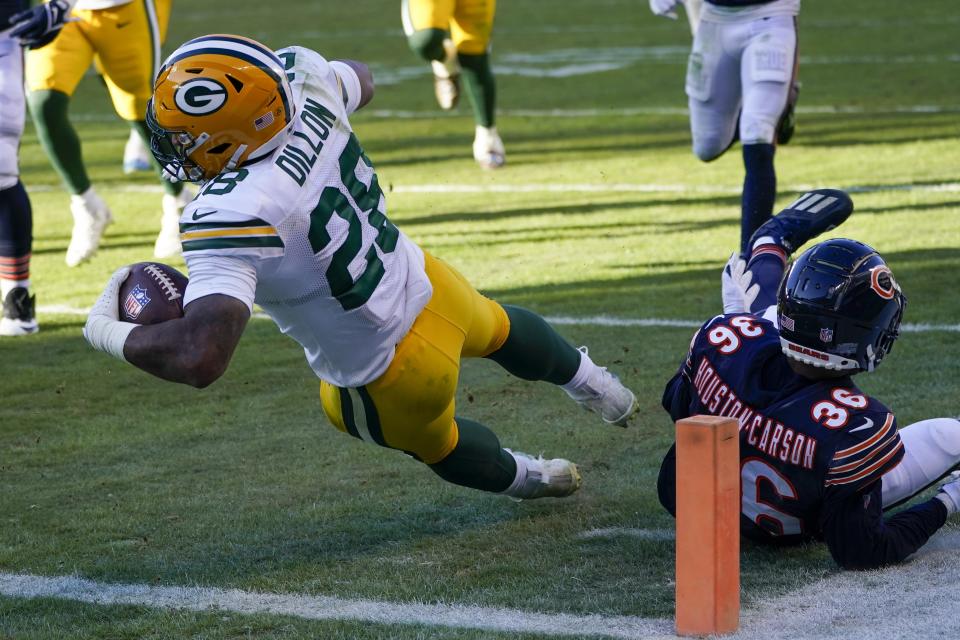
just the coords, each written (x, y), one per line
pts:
(172, 150)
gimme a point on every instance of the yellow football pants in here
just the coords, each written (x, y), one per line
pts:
(470, 22)
(411, 406)
(124, 41)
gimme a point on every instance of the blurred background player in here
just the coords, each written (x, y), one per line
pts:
(383, 324)
(124, 37)
(820, 459)
(18, 26)
(741, 84)
(454, 36)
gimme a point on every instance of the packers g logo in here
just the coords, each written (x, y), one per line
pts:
(200, 97)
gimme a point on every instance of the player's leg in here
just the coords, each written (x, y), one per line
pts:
(16, 220)
(411, 406)
(53, 73)
(130, 63)
(527, 346)
(931, 448)
(426, 23)
(713, 90)
(471, 29)
(766, 74)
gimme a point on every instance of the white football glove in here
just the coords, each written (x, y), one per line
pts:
(949, 493)
(103, 329)
(737, 292)
(665, 8)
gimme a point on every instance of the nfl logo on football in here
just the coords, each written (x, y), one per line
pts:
(137, 300)
(826, 335)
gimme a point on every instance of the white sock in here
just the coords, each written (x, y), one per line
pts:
(6, 286)
(576, 387)
(88, 197)
(518, 479)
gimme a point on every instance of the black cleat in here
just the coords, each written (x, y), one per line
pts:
(807, 217)
(19, 317)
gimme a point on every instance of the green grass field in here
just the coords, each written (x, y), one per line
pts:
(109, 474)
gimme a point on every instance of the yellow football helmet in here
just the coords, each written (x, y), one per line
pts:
(219, 101)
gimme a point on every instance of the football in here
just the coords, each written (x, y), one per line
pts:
(152, 293)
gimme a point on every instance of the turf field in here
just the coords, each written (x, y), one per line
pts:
(602, 219)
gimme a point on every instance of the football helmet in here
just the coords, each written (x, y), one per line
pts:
(839, 307)
(219, 101)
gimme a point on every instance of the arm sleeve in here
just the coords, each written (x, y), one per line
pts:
(676, 395)
(217, 274)
(349, 85)
(859, 538)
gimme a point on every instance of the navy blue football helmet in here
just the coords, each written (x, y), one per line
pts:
(839, 307)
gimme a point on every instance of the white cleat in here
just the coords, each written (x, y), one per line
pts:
(605, 395)
(446, 77)
(90, 217)
(168, 240)
(135, 155)
(555, 478)
(488, 148)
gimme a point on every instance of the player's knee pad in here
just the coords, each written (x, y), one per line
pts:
(428, 43)
(710, 147)
(945, 432)
(9, 169)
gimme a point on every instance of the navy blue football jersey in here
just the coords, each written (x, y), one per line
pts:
(804, 444)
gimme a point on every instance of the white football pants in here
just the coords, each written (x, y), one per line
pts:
(12, 111)
(743, 68)
(931, 448)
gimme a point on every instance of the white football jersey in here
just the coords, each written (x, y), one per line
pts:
(303, 233)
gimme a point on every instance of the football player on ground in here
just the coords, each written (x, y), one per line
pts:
(19, 26)
(454, 36)
(741, 84)
(124, 37)
(291, 216)
(819, 458)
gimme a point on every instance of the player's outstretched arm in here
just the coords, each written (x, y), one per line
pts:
(194, 349)
(364, 78)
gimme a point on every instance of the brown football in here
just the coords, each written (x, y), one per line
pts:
(152, 293)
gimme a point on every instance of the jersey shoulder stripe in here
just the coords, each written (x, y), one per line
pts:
(884, 432)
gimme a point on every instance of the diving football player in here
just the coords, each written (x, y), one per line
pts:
(291, 216)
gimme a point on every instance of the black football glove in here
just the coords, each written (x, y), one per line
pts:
(38, 26)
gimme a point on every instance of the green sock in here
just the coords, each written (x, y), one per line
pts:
(140, 126)
(477, 461)
(58, 138)
(535, 351)
(481, 87)
(428, 43)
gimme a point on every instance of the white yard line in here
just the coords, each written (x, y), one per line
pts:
(584, 187)
(331, 608)
(405, 114)
(588, 321)
(915, 599)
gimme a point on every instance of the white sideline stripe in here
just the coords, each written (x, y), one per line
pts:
(588, 187)
(627, 532)
(405, 114)
(590, 321)
(330, 608)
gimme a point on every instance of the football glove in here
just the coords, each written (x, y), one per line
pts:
(103, 329)
(949, 493)
(738, 294)
(665, 8)
(38, 26)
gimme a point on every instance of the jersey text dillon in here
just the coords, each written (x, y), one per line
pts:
(296, 162)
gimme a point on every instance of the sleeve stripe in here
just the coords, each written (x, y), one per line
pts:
(232, 243)
(866, 444)
(228, 233)
(871, 469)
(201, 226)
(860, 461)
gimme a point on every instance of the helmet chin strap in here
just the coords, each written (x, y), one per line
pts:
(235, 158)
